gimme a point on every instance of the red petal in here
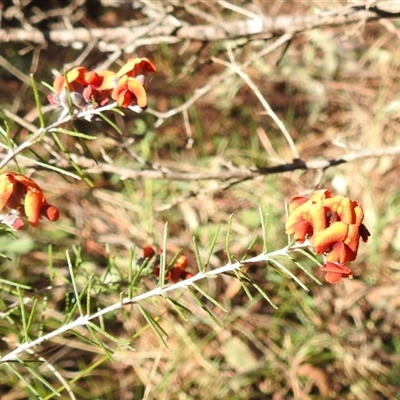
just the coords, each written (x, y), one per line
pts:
(333, 267)
(186, 275)
(181, 262)
(301, 231)
(341, 253)
(359, 214)
(333, 277)
(148, 251)
(176, 274)
(109, 80)
(18, 224)
(120, 86)
(50, 212)
(77, 75)
(334, 272)
(125, 98)
(53, 99)
(93, 78)
(24, 180)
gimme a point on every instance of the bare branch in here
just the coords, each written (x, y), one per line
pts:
(169, 31)
(291, 23)
(239, 173)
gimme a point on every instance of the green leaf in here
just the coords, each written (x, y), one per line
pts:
(77, 295)
(264, 227)
(305, 270)
(23, 316)
(158, 330)
(163, 263)
(228, 238)
(249, 248)
(258, 288)
(93, 327)
(179, 308)
(207, 296)
(23, 379)
(39, 377)
(310, 256)
(111, 123)
(244, 287)
(209, 312)
(210, 253)
(73, 133)
(286, 272)
(15, 284)
(37, 101)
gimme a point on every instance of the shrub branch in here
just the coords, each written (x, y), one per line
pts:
(84, 320)
(171, 30)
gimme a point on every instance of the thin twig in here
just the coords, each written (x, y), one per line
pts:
(37, 133)
(264, 103)
(168, 32)
(198, 93)
(239, 173)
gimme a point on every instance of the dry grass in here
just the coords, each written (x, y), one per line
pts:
(336, 90)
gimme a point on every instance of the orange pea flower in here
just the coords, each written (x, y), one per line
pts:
(75, 83)
(91, 89)
(305, 216)
(177, 272)
(148, 251)
(24, 197)
(74, 77)
(129, 92)
(98, 87)
(332, 225)
(137, 68)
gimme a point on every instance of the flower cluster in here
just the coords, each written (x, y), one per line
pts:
(91, 89)
(175, 273)
(332, 225)
(20, 197)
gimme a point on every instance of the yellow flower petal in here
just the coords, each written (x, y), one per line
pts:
(33, 204)
(6, 190)
(335, 233)
(297, 215)
(317, 217)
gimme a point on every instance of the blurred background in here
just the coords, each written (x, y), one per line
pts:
(337, 91)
